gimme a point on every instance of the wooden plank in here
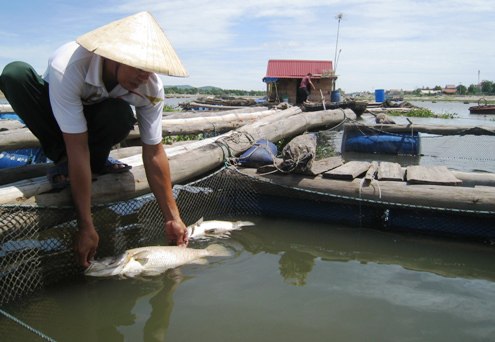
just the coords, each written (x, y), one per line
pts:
(317, 166)
(439, 175)
(390, 172)
(437, 196)
(324, 165)
(370, 174)
(348, 171)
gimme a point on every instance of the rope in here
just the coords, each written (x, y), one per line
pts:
(26, 326)
(234, 137)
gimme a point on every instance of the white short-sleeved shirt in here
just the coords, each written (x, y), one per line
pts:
(75, 79)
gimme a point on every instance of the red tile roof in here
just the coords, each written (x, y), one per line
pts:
(281, 68)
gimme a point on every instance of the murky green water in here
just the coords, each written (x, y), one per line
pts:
(287, 281)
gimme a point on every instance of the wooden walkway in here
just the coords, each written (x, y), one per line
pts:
(387, 171)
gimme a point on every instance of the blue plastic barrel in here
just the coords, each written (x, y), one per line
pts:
(381, 143)
(10, 116)
(21, 157)
(335, 96)
(379, 95)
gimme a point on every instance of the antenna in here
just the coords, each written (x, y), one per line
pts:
(339, 18)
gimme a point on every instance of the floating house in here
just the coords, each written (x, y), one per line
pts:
(450, 89)
(284, 76)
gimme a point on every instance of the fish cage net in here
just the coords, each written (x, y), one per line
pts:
(36, 243)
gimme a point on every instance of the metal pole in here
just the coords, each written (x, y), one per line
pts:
(339, 18)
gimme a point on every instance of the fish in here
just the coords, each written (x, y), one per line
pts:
(152, 260)
(202, 229)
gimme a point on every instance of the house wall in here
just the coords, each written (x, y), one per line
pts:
(288, 88)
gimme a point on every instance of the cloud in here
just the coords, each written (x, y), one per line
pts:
(383, 43)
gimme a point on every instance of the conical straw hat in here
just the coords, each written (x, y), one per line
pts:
(137, 41)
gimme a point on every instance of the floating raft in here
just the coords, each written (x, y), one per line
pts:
(429, 186)
(383, 195)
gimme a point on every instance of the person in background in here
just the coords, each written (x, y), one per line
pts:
(305, 87)
(81, 107)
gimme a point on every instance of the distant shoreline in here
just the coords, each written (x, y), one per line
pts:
(448, 98)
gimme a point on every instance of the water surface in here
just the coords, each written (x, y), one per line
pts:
(288, 281)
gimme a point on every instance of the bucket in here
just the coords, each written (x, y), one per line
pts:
(335, 96)
(285, 99)
(379, 95)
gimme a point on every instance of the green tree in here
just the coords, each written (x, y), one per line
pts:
(487, 87)
(461, 89)
(473, 89)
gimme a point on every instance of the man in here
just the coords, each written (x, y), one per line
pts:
(82, 107)
(304, 87)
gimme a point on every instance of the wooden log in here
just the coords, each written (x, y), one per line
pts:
(436, 196)
(11, 175)
(430, 129)
(6, 108)
(204, 114)
(475, 178)
(23, 138)
(10, 125)
(218, 124)
(210, 106)
(186, 162)
(385, 110)
(18, 138)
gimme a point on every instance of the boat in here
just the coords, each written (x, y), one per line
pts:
(482, 108)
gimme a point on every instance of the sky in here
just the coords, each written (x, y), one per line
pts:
(378, 44)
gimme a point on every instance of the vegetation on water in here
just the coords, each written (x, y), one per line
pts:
(188, 90)
(325, 151)
(422, 113)
(168, 108)
(170, 139)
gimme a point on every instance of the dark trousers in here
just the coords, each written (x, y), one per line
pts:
(302, 94)
(109, 121)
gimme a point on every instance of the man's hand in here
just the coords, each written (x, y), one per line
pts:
(176, 233)
(86, 242)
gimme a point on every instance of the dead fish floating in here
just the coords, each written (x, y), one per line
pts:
(203, 229)
(152, 260)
